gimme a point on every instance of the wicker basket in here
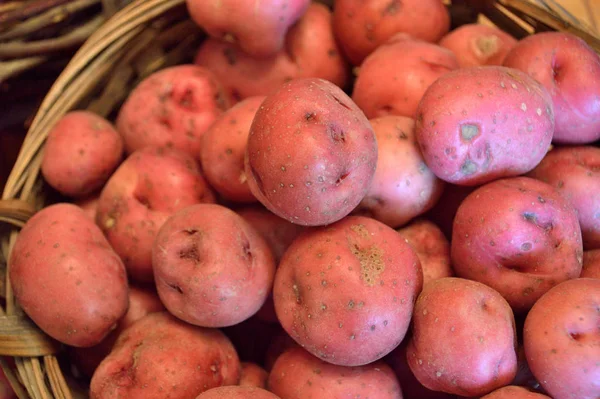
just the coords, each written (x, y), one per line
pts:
(146, 36)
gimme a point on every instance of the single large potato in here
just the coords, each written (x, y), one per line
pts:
(575, 173)
(311, 153)
(519, 236)
(299, 375)
(81, 152)
(464, 338)
(345, 292)
(562, 340)
(403, 186)
(211, 268)
(362, 26)
(161, 357)
(67, 278)
(570, 71)
(479, 124)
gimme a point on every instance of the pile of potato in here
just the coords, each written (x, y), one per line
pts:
(247, 229)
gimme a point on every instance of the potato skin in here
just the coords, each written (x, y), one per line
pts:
(345, 292)
(478, 44)
(464, 338)
(475, 125)
(591, 264)
(311, 153)
(570, 70)
(66, 277)
(258, 28)
(173, 108)
(298, 375)
(562, 340)
(211, 268)
(432, 248)
(362, 26)
(253, 376)
(575, 173)
(237, 392)
(394, 78)
(81, 152)
(514, 392)
(223, 149)
(403, 186)
(519, 236)
(158, 353)
(148, 187)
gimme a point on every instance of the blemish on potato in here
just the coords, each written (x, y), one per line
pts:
(468, 167)
(468, 131)
(524, 107)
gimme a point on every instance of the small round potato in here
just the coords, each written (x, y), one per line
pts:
(311, 153)
(253, 376)
(81, 152)
(519, 236)
(297, 375)
(345, 292)
(514, 392)
(475, 125)
(237, 392)
(591, 264)
(464, 338)
(562, 339)
(211, 268)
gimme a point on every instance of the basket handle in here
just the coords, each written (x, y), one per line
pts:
(16, 212)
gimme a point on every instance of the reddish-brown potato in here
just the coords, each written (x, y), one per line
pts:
(514, 392)
(519, 236)
(591, 264)
(345, 292)
(173, 108)
(160, 356)
(299, 375)
(66, 277)
(403, 186)
(362, 26)
(432, 248)
(237, 392)
(257, 27)
(562, 340)
(253, 375)
(570, 71)
(393, 79)
(211, 268)
(81, 152)
(478, 44)
(149, 186)
(464, 338)
(311, 153)
(575, 173)
(479, 124)
(223, 148)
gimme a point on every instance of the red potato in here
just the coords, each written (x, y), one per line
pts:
(223, 149)
(253, 376)
(257, 27)
(81, 152)
(480, 124)
(159, 356)
(519, 236)
(432, 248)
(89, 205)
(478, 44)
(393, 79)
(562, 340)
(141, 303)
(67, 278)
(570, 70)
(591, 264)
(514, 392)
(172, 108)
(311, 153)
(299, 375)
(464, 338)
(403, 186)
(575, 173)
(310, 51)
(235, 392)
(149, 186)
(362, 26)
(211, 268)
(345, 292)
